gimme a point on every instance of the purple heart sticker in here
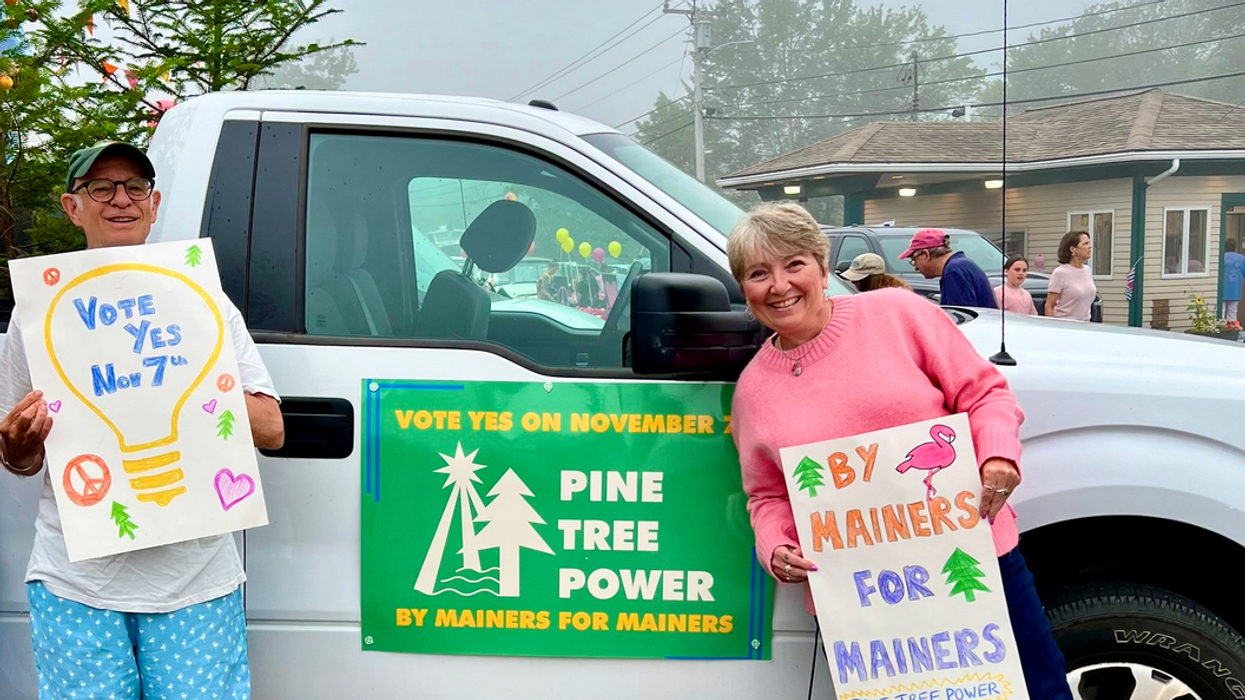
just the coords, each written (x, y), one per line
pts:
(55, 406)
(210, 407)
(233, 489)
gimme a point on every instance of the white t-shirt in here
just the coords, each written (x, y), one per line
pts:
(156, 580)
(1076, 291)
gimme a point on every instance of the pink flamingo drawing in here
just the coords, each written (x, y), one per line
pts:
(933, 457)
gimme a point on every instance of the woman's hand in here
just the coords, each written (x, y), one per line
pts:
(788, 566)
(999, 477)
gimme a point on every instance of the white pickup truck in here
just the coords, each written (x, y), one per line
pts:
(1133, 503)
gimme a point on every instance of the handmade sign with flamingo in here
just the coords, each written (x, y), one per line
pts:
(933, 456)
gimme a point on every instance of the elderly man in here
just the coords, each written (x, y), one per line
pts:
(165, 622)
(961, 281)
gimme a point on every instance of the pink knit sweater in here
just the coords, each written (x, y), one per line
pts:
(887, 358)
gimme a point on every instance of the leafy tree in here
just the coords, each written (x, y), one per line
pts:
(778, 58)
(1123, 34)
(188, 47)
(45, 115)
(194, 256)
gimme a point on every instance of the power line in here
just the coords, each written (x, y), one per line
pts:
(1031, 100)
(619, 125)
(620, 65)
(1010, 71)
(983, 32)
(966, 54)
(921, 40)
(598, 50)
(672, 131)
(645, 77)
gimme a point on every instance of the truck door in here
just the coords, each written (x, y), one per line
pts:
(353, 232)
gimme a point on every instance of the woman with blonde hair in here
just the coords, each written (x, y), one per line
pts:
(856, 364)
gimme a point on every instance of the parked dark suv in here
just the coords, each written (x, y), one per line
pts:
(890, 242)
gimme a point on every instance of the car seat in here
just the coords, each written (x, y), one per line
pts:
(457, 307)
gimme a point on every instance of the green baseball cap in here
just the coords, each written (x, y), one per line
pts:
(82, 160)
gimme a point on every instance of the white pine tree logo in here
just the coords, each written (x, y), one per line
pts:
(508, 519)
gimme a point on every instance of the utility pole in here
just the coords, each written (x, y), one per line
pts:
(916, 83)
(700, 41)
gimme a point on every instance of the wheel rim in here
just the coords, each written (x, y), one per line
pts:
(1128, 682)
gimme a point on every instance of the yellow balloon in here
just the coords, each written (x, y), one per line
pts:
(568, 245)
(615, 249)
(563, 234)
(585, 249)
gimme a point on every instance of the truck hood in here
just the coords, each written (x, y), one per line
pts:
(1085, 359)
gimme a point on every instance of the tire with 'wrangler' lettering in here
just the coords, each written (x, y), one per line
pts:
(1126, 641)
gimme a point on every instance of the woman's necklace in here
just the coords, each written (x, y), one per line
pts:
(796, 367)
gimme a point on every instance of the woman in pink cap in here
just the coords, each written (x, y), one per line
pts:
(855, 364)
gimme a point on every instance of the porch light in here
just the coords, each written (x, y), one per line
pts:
(791, 190)
(994, 184)
(907, 191)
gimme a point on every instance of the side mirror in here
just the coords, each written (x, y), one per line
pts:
(685, 324)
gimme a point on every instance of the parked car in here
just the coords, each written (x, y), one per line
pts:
(1133, 504)
(891, 242)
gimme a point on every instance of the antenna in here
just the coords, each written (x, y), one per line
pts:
(1002, 357)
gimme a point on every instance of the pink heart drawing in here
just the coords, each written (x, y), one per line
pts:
(233, 489)
(55, 406)
(210, 407)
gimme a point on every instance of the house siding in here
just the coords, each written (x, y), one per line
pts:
(1181, 192)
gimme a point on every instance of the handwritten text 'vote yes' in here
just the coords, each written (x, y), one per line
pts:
(144, 337)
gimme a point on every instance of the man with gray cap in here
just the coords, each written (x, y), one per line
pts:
(164, 622)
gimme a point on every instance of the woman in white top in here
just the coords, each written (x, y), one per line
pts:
(1017, 299)
(1071, 291)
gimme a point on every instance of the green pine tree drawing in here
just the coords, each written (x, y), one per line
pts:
(809, 474)
(224, 426)
(194, 256)
(961, 570)
(124, 525)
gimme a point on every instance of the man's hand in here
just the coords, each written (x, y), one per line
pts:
(23, 432)
(267, 424)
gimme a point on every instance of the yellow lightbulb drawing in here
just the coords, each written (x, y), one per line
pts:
(161, 368)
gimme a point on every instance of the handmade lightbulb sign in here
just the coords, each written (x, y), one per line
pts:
(134, 352)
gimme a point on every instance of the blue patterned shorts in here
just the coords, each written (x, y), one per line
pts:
(84, 653)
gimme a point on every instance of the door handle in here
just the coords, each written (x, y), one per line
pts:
(316, 428)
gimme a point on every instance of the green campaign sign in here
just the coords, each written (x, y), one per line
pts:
(557, 519)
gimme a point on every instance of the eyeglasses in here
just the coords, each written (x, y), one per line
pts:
(103, 191)
(912, 258)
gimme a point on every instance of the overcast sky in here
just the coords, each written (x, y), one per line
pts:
(497, 49)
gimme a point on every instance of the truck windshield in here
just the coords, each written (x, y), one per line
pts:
(975, 247)
(715, 209)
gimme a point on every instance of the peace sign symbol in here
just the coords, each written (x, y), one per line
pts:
(225, 383)
(87, 480)
(51, 276)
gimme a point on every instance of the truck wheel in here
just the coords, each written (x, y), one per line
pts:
(1136, 642)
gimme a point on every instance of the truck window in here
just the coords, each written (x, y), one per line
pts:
(850, 248)
(389, 240)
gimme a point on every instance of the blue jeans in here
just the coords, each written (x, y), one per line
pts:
(1043, 664)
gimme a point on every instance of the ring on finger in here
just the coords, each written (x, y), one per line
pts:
(1002, 492)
